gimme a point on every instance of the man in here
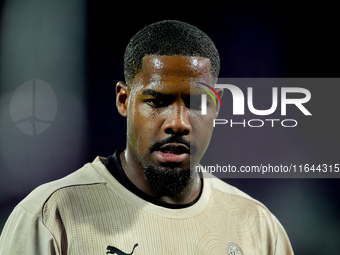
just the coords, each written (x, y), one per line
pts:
(145, 199)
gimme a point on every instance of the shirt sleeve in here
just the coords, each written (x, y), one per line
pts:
(24, 233)
(283, 246)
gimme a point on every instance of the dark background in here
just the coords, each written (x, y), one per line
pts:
(77, 47)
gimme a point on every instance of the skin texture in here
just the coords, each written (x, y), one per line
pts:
(157, 108)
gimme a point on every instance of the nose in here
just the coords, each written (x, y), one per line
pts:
(178, 120)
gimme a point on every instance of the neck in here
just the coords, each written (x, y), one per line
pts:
(135, 172)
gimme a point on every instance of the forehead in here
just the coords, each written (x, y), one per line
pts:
(171, 72)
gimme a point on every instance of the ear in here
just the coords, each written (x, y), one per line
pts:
(122, 93)
(220, 93)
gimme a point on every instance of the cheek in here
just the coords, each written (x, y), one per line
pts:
(142, 126)
(200, 136)
(201, 123)
(202, 128)
(205, 131)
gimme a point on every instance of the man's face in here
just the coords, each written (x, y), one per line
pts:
(163, 132)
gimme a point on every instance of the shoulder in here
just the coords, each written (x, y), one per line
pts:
(248, 211)
(229, 190)
(86, 175)
(26, 231)
(237, 201)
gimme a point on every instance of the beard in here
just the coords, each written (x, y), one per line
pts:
(167, 181)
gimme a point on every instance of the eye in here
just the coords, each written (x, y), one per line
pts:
(194, 103)
(157, 102)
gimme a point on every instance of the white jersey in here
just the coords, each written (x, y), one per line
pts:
(90, 213)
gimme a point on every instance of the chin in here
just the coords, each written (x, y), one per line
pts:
(167, 180)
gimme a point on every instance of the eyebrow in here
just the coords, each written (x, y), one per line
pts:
(151, 92)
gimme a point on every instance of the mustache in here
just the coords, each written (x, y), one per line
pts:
(171, 139)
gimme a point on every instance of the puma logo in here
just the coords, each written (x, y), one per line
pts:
(114, 250)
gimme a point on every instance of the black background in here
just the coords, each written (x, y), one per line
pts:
(255, 39)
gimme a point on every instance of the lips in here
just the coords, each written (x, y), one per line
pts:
(174, 148)
(172, 153)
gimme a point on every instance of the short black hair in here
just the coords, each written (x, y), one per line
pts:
(169, 37)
